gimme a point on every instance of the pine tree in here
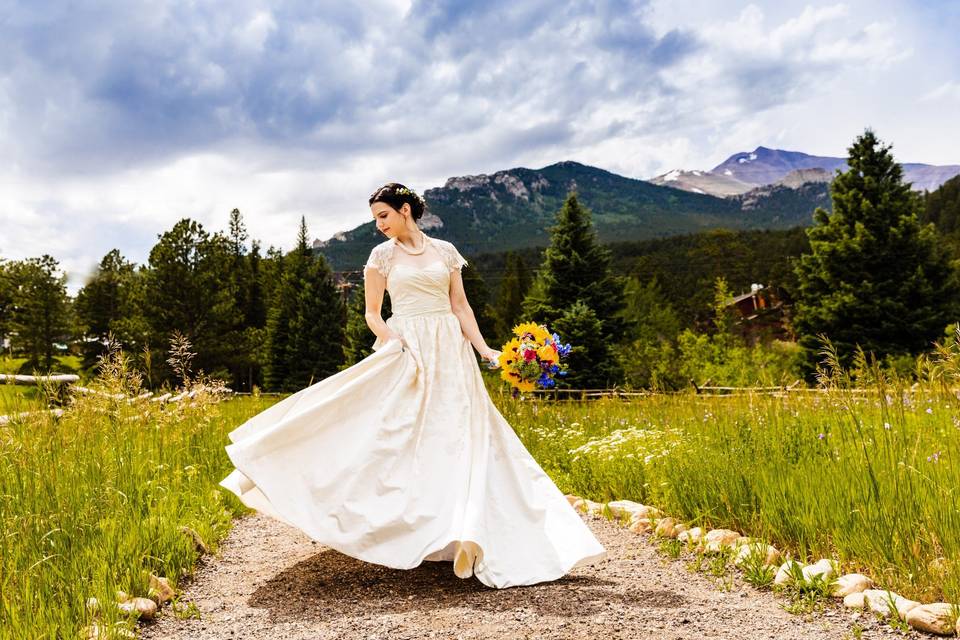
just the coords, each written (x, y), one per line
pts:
(106, 306)
(875, 276)
(477, 296)
(40, 315)
(189, 289)
(576, 267)
(6, 299)
(306, 325)
(591, 362)
(358, 339)
(513, 288)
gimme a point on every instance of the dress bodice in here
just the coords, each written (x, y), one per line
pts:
(417, 289)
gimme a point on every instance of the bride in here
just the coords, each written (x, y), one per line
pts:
(403, 457)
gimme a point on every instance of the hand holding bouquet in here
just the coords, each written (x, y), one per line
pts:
(532, 358)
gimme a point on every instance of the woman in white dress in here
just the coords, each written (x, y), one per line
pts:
(403, 457)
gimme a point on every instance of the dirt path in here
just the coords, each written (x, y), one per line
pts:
(272, 582)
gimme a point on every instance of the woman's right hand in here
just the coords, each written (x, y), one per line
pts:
(399, 337)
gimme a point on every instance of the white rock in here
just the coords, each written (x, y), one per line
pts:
(878, 601)
(630, 508)
(850, 583)
(854, 600)
(718, 539)
(933, 618)
(665, 528)
(143, 607)
(640, 525)
(691, 536)
(784, 574)
(160, 589)
(102, 631)
(824, 567)
(769, 553)
(594, 508)
(725, 536)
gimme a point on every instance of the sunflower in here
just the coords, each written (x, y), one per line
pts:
(525, 385)
(526, 327)
(511, 347)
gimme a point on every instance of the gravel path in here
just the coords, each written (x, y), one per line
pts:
(271, 581)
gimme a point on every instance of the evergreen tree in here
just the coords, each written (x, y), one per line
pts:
(189, 288)
(576, 267)
(41, 312)
(477, 296)
(107, 306)
(357, 337)
(513, 289)
(591, 361)
(305, 329)
(875, 276)
(942, 208)
(651, 330)
(6, 300)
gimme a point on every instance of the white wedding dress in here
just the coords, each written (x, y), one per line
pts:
(403, 457)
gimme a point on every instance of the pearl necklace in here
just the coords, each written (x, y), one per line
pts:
(413, 252)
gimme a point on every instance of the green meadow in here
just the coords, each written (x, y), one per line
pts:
(871, 479)
(93, 502)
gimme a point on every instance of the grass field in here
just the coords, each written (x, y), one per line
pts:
(873, 481)
(92, 503)
(95, 499)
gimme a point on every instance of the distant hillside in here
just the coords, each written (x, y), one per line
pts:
(687, 265)
(942, 208)
(514, 209)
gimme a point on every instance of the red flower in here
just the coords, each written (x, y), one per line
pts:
(529, 355)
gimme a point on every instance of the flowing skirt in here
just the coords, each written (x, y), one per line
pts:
(403, 457)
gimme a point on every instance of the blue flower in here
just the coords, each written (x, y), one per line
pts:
(554, 368)
(545, 381)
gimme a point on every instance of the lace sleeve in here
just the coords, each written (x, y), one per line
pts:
(380, 260)
(452, 257)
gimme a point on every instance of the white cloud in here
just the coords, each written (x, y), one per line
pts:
(118, 121)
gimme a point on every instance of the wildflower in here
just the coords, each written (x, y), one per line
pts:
(821, 436)
(886, 425)
(929, 410)
(934, 457)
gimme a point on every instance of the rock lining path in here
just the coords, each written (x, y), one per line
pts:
(271, 581)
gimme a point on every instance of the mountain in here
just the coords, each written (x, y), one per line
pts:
(702, 182)
(514, 209)
(764, 166)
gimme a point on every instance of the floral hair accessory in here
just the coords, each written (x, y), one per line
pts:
(405, 191)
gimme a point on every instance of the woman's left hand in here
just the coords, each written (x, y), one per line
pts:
(492, 357)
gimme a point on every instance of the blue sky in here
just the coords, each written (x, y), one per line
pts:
(119, 118)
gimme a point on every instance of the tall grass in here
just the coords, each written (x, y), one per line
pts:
(871, 479)
(91, 503)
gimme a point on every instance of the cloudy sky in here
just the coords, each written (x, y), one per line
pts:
(117, 118)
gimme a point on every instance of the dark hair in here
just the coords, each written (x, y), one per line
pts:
(395, 194)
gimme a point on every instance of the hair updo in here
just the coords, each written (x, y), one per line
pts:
(395, 194)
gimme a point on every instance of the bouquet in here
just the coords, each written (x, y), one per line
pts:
(532, 358)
